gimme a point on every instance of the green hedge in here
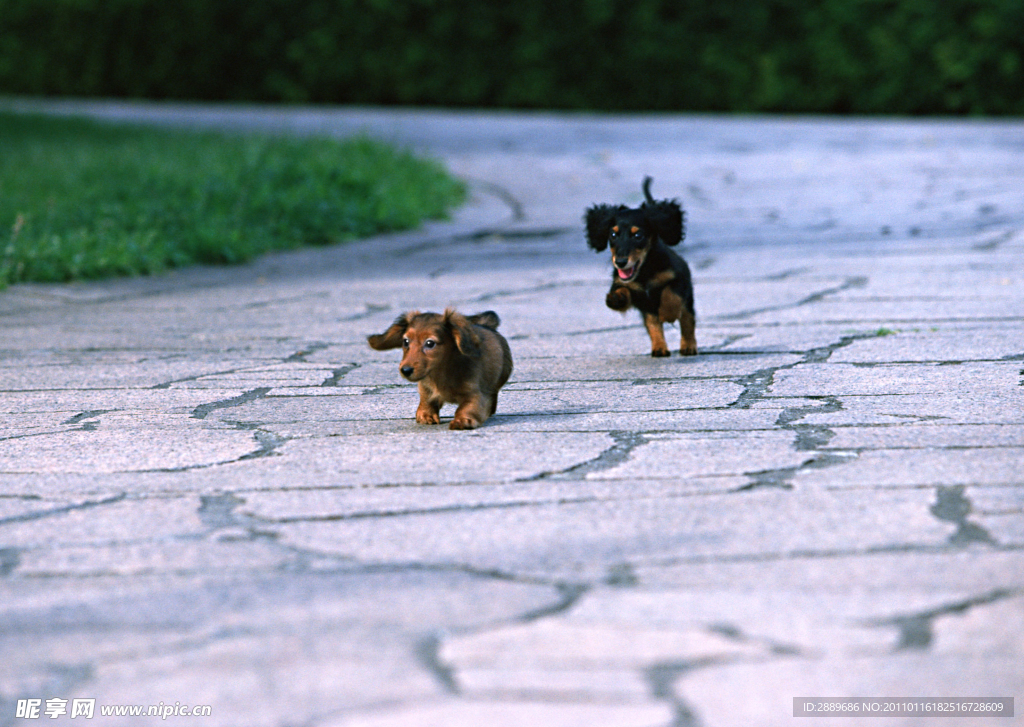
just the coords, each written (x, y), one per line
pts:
(860, 56)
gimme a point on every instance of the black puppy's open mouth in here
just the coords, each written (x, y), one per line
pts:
(626, 274)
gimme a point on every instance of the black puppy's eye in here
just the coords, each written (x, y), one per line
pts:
(639, 234)
(613, 234)
(429, 344)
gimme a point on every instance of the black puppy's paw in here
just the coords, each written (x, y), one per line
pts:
(618, 299)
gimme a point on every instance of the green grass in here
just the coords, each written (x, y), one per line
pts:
(82, 199)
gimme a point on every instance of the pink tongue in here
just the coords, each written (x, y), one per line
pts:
(625, 273)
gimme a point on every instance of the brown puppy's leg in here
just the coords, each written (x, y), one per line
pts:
(688, 343)
(470, 414)
(671, 307)
(658, 345)
(429, 408)
(618, 298)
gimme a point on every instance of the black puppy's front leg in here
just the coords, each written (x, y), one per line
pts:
(619, 299)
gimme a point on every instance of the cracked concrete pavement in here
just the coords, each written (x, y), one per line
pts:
(213, 492)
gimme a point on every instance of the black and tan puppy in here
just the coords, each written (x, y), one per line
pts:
(648, 275)
(456, 359)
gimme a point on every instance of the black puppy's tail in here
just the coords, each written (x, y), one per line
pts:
(647, 190)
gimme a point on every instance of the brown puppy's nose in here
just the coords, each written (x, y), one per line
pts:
(406, 371)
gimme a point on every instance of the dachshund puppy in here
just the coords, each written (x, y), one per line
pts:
(456, 359)
(648, 275)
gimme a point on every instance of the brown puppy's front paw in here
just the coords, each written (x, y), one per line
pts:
(463, 422)
(658, 352)
(689, 350)
(618, 299)
(427, 417)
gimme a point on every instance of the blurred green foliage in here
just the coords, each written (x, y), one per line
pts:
(857, 56)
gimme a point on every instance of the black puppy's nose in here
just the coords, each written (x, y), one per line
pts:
(406, 371)
(622, 262)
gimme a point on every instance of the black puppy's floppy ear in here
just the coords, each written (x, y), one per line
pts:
(392, 337)
(467, 340)
(668, 218)
(599, 223)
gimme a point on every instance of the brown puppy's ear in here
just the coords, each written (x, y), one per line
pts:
(599, 223)
(487, 319)
(467, 340)
(392, 337)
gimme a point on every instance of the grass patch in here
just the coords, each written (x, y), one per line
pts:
(82, 199)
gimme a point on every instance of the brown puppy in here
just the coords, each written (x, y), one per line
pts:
(456, 359)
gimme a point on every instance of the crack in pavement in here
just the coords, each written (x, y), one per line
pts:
(438, 510)
(10, 558)
(619, 452)
(203, 410)
(734, 633)
(951, 506)
(218, 511)
(755, 387)
(516, 207)
(994, 242)
(916, 629)
(268, 441)
(726, 342)
(518, 215)
(856, 281)
(490, 233)
(661, 678)
(823, 554)
(300, 355)
(339, 373)
(428, 653)
(371, 310)
(40, 514)
(196, 377)
(569, 596)
(781, 478)
(555, 285)
(621, 575)
(85, 418)
(809, 438)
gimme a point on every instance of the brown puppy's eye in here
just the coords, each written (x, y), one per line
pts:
(405, 343)
(429, 344)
